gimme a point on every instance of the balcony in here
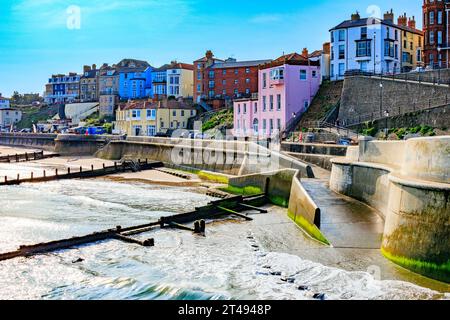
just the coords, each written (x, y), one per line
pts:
(276, 81)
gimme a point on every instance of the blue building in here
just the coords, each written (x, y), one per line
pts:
(134, 79)
(159, 80)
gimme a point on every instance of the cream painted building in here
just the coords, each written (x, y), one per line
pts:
(147, 118)
(180, 80)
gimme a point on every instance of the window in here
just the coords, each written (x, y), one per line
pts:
(341, 35)
(279, 124)
(211, 74)
(341, 69)
(236, 71)
(303, 75)
(363, 33)
(245, 108)
(247, 80)
(211, 84)
(136, 114)
(174, 113)
(277, 74)
(264, 80)
(278, 102)
(247, 70)
(439, 37)
(332, 36)
(151, 114)
(256, 107)
(255, 126)
(431, 20)
(239, 109)
(182, 113)
(151, 131)
(439, 17)
(271, 103)
(264, 103)
(224, 82)
(271, 125)
(431, 37)
(389, 48)
(364, 48)
(224, 72)
(341, 52)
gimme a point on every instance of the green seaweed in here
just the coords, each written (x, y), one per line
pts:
(310, 229)
(432, 270)
(212, 177)
(245, 191)
(279, 201)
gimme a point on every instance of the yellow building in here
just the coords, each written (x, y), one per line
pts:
(136, 118)
(147, 118)
(412, 42)
(174, 114)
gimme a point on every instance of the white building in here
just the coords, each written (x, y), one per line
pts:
(180, 80)
(369, 44)
(323, 56)
(4, 102)
(9, 118)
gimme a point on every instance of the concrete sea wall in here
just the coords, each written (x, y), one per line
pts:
(229, 157)
(284, 188)
(38, 141)
(409, 183)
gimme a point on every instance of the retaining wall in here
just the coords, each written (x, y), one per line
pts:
(409, 183)
(38, 141)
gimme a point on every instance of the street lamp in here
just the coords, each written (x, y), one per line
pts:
(386, 113)
(381, 99)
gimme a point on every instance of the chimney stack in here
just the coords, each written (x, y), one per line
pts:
(327, 48)
(209, 55)
(94, 67)
(305, 53)
(86, 69)
(402, 20)
(356, 16)
(412, 23)
(389, 16)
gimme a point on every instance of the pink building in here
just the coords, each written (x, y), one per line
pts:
(286, 87)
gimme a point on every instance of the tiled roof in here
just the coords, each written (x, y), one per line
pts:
(90, 74)
(138, 104)
(165, 104)
(291, 59)
(132, 65)
(239, 64)
(371, 21)
(179, 65)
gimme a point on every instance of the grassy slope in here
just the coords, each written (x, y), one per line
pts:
(32, 115)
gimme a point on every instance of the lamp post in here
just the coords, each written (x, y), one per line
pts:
(381, 99)
(440, 63)
(386, 113)
(374, 50)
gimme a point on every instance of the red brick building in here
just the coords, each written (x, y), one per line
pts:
(437, 32)
(217, 81)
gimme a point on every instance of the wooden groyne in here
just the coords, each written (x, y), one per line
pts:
(27, 156)
(84, 173)
(226, 207)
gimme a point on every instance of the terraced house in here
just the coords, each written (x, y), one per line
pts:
(89, 84)
(108, 89)
(436, 27)
(136, 118)
(63, 89)
(4, 102)
(217, 81)
(148, 117)
(287, 86)
(374, 45)
(134, 79)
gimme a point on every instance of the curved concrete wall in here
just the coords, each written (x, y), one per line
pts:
(427, 159)
(408, 183)
(230, 157)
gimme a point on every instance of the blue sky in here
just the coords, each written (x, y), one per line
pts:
(35, 41)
